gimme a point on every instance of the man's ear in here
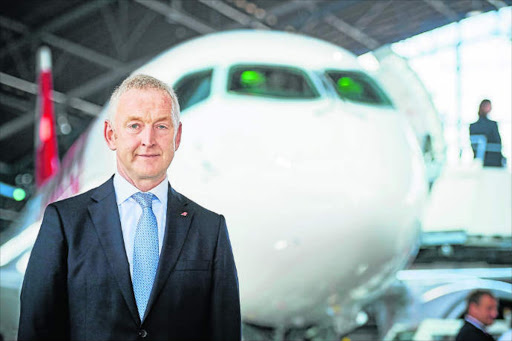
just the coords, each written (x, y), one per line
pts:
(110, 135)
(471, 307)
(177, 139)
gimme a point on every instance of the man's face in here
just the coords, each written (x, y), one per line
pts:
(485, 311)
(142, 135)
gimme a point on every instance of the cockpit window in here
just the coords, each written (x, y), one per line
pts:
(193, 88)
(357, 87)
(270, 81)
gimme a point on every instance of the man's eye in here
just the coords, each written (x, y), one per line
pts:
(134, 126)
(161, 126)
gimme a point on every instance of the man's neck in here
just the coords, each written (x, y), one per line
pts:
(474, 321)
(146, 185)
(143, 185)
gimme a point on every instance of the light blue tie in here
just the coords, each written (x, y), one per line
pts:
(145, 252)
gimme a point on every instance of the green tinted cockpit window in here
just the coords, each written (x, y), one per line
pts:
(270, 81)
(357, 87)
(252, 78)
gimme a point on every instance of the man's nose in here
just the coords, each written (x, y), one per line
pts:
(147, 136)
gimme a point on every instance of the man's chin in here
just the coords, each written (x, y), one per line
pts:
(147, 176)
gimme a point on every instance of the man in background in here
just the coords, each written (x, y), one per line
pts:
(482, 310)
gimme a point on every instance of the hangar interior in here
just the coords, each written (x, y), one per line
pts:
(97, 43)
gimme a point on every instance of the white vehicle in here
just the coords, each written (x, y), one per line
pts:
(320, 177)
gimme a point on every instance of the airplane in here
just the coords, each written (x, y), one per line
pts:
(320, 177)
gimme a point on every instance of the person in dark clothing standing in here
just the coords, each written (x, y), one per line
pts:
(488, 128)
(482, 310)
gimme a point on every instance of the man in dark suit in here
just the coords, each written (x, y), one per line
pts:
(488, 128)
(482, 309)
(133, 259)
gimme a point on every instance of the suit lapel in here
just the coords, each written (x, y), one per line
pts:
(105, 217)
(176, 230)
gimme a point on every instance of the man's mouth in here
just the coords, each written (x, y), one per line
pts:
(149, 156)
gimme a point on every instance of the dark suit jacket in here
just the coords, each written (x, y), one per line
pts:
(469, 332)
(489, 128)
(78, 286)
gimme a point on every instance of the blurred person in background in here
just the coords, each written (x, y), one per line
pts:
(482, 310)
(488, 128)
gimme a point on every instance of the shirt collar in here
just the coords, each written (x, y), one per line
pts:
(124, 190)
(475, 322)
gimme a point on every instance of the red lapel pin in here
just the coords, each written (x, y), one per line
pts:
(184, 214)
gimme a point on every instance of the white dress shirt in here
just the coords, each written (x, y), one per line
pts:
(130, 212)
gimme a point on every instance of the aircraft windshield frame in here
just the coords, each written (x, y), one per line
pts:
(264, 80)
(199, 90)
(358, 87)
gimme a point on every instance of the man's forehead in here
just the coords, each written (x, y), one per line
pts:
(128, 106)
(487, 299)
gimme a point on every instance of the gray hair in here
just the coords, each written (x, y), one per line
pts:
(143, 82)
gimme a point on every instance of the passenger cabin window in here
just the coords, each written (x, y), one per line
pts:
(271, 81)
(358, 87)
(193, 88)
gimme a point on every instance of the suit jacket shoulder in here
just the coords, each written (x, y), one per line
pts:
(469, 332)
(73, 211)
(84, 198)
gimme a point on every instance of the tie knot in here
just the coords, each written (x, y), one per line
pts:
(143, 199)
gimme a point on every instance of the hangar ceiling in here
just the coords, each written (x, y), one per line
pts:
(96, 43)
